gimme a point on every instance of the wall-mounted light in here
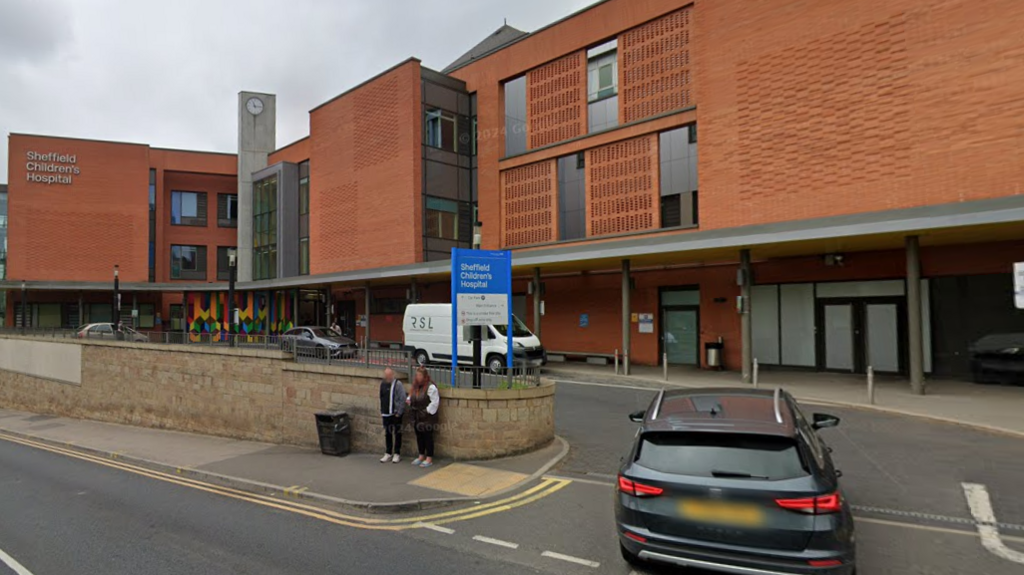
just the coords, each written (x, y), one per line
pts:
(834, 259)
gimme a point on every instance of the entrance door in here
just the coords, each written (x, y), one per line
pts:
(346, 317)
(854, 334)
(681, 334)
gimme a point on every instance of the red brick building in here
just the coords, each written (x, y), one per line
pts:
(854, 197)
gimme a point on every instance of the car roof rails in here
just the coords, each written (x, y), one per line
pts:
(657, 403)
(775, 401)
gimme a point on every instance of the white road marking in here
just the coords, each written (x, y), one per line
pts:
(981, 508)
(14, 565)
(498, 542)
(437, 528)
(931, 528)
(571, 559)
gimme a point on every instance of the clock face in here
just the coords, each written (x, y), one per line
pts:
(254, 105)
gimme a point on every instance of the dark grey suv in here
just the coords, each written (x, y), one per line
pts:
(733, 481)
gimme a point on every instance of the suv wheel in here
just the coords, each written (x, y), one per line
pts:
(629, 557)
(421, 357)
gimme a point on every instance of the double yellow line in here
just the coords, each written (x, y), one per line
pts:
(546, 487)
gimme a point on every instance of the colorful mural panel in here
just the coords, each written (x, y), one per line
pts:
(258, 312)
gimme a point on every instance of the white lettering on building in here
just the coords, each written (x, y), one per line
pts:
(51, 168)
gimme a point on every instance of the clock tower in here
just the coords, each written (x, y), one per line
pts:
(256, 140)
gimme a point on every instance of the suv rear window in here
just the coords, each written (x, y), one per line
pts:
(722, 455)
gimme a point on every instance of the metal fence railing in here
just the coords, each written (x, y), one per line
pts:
(520, 376)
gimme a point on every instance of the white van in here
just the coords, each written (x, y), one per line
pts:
(428, 334)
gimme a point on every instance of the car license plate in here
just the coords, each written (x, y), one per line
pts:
(722, 512)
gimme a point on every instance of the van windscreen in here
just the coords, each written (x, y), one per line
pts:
(518, 329)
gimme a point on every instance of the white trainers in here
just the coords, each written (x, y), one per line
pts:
(386, 457)
(396, 458)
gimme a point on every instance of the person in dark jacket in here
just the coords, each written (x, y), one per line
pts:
(392, 407)
(424, 402)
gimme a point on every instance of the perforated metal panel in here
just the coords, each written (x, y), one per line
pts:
(655, 63)
(621, 187)
(555, 99)
(528, 195)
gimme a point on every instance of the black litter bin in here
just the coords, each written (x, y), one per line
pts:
(335, 432)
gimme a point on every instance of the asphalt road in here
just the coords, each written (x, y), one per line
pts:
(904, 476)
(60, 515)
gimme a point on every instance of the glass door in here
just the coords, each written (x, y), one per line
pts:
(681, 336)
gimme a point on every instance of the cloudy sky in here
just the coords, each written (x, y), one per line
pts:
(168, 73)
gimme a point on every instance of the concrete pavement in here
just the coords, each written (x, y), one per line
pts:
(357, 480)
(991, 407)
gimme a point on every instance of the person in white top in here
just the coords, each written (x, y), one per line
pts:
(424, 400)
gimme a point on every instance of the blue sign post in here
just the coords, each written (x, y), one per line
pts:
(481, 295)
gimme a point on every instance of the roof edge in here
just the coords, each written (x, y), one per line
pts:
(367, 81)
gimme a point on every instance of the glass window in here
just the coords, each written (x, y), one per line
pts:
(147, 315)
(304, 256)
(188, 208)
(265, 229)
(441, 128)
(442, 219)
(722, 454)
(232, 207)
(602, 72)
(184, 259)
(304, 196)
(677, 149)
(515, 116)
(177, 316)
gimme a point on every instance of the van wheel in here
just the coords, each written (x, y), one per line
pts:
(496, 363)
(421, 357)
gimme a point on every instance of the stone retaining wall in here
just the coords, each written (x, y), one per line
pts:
(263, 395)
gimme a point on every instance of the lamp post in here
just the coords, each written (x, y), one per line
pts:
(232, 264)
(117, 303)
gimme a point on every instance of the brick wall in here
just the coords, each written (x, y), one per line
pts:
(261, 395)
(655, 67)
(365, 156)
(211, 235)
(818, 108)
(530, 204)
(297, 151)
(622, 187)
(556, 100)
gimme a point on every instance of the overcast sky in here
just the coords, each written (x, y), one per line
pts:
(168, 73)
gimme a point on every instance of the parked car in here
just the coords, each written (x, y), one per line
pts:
(733, 481)
(998, 358)
(307, 339)
(106, 331)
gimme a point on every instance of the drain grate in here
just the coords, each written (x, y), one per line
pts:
(934, 517)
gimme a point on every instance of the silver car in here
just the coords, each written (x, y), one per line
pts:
(320, 341)
(106, 331)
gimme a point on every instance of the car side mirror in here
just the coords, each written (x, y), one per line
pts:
(823, 420)
(637, 416)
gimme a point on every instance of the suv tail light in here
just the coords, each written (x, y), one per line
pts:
(813, 505)
(630, 487)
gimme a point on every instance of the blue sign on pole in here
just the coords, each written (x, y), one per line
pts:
(481, 295)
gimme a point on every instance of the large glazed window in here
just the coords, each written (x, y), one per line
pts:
(188, 208)
(188, 262)
(515, 116)
(304, 218)
(442, 219)
(602, 87)
(678, 154)
(441, 127)
(264, 236)
(572, 203)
